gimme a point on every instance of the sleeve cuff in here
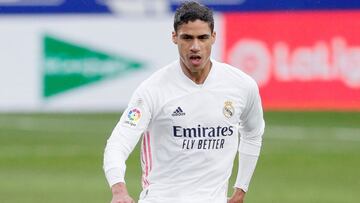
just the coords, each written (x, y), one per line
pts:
(114, 176)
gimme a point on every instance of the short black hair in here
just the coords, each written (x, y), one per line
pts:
(191, 11)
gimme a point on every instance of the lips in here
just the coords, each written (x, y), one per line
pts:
(195, 60)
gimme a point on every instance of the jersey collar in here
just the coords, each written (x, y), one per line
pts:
(191, 83)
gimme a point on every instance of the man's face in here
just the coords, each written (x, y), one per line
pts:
(194, 41)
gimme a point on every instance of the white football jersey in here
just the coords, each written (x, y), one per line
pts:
(190, 134)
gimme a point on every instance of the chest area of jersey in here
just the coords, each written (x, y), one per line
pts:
(206, 109)
(201, 120)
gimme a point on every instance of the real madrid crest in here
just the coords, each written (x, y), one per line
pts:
(228, 109)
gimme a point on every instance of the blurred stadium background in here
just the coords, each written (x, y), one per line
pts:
(68, 68)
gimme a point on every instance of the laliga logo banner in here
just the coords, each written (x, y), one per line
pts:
(301, 60)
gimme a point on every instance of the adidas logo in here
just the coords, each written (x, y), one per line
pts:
(178, 112)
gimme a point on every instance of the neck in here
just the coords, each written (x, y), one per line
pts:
(198, 76)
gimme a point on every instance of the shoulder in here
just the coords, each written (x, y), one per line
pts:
(235, 76)
(158, 79)
(149, 89)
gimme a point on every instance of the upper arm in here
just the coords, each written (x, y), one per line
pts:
(251, 120)
(132, 124)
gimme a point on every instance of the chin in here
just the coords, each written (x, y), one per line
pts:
(195, 69)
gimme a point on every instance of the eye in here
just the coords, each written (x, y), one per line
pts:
(186, 37)
(202, 37)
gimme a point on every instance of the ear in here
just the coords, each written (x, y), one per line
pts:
(213, 37)
(174, 37)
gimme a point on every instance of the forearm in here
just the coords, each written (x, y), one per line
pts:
(114, 167)
(114, 163)
(247, 164)
(118, 147)
(249, 150)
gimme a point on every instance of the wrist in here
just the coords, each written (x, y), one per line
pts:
(119, 189)
(239, 191)
(238, 194)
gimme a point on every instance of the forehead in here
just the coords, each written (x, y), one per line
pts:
(197, 27)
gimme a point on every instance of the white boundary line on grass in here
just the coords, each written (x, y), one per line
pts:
(271, 132)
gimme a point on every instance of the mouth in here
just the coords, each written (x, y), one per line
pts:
(195, 59)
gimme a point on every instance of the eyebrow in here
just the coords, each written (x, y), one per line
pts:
(204, 36)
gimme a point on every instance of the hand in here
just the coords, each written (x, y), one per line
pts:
(120, 194)
(238, 196)
(122, 199)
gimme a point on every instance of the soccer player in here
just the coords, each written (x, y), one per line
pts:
(190, 115)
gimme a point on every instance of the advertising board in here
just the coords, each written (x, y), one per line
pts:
(80, 63)
(301, 60)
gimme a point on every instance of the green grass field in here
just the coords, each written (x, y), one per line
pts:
(308, 157)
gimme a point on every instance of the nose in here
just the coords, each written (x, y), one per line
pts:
(195, 46)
